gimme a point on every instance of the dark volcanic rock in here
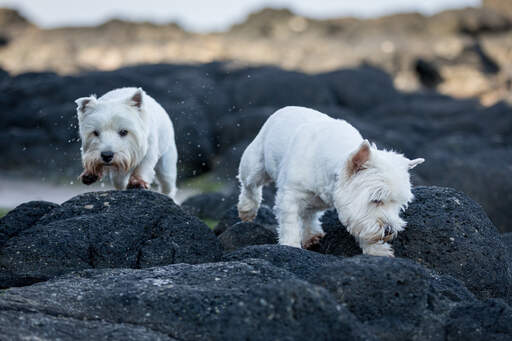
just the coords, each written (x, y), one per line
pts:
(26, 325)
(209, 205)
(360, 89)
(230, 217)
(337, 241)
(263, 86)
(396, 299)
(223, 301)
(488, 320)
(450, 233)
(128, 229)
(446, 231)
(244, 234)
(23, 217)
(507, 241)
(302, 263)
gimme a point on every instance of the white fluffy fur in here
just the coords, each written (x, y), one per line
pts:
(317, 163)
(148, 145)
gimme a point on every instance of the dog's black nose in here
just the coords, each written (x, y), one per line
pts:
(107, 156)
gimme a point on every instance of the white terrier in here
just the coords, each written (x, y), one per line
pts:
(318, 162)
(127, 133)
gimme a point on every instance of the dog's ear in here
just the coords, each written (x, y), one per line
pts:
(359, 157)
(415, 162)
(136, 99)
(84, 105)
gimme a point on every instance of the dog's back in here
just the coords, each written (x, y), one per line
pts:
(305, 134)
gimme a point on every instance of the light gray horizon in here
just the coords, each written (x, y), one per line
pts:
(205, 15)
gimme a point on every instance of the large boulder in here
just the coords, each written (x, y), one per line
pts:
(450, 233)
(447, 232)
(487, 320)
(249, 300)
(396, 299)
(127, 229)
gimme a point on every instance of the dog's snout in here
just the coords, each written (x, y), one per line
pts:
(107, 156)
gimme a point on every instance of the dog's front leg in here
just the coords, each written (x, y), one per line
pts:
(288, 215)
(120, 180)
(143, 175)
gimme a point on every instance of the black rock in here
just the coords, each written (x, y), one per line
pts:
(302, 263)
(396, 299)
(26, 325)
(337, 241)
(447, 232)
(244, 234)
(450, 233)
(209, 205)
(22, 218)
(249, 300)
(128, 229)
(488, 320)
(265, 217)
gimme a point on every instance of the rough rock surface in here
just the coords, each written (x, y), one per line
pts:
(127, 229)
(302, 263)
(209, 205)
(450, 233)
(249, 300)
(265, 217)
(397, 299)
(447, 232)
(245, 234)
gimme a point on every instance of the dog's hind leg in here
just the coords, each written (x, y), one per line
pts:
(166, 172)
(252, 177)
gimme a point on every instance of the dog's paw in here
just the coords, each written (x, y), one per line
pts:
(136, 182)
(379, 249)
(247, 216)
(312, 240)
(88, 178)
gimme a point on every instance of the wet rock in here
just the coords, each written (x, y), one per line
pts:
(128, 229)
(244, 234)
(221, 301)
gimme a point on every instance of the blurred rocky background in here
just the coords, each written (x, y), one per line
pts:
(462, 53)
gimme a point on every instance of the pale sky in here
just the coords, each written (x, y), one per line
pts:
(210, 15)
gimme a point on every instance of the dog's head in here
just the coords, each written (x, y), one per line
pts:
(113, 132)
(374, 188)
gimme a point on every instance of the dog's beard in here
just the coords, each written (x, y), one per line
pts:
(93, 165)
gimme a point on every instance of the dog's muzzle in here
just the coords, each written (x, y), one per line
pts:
(107, 156)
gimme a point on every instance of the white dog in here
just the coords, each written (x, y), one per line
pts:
(318, 162)
(128, 134)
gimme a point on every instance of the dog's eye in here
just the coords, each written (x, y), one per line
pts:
(96, 133)
(123, 132)
(377, 202)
